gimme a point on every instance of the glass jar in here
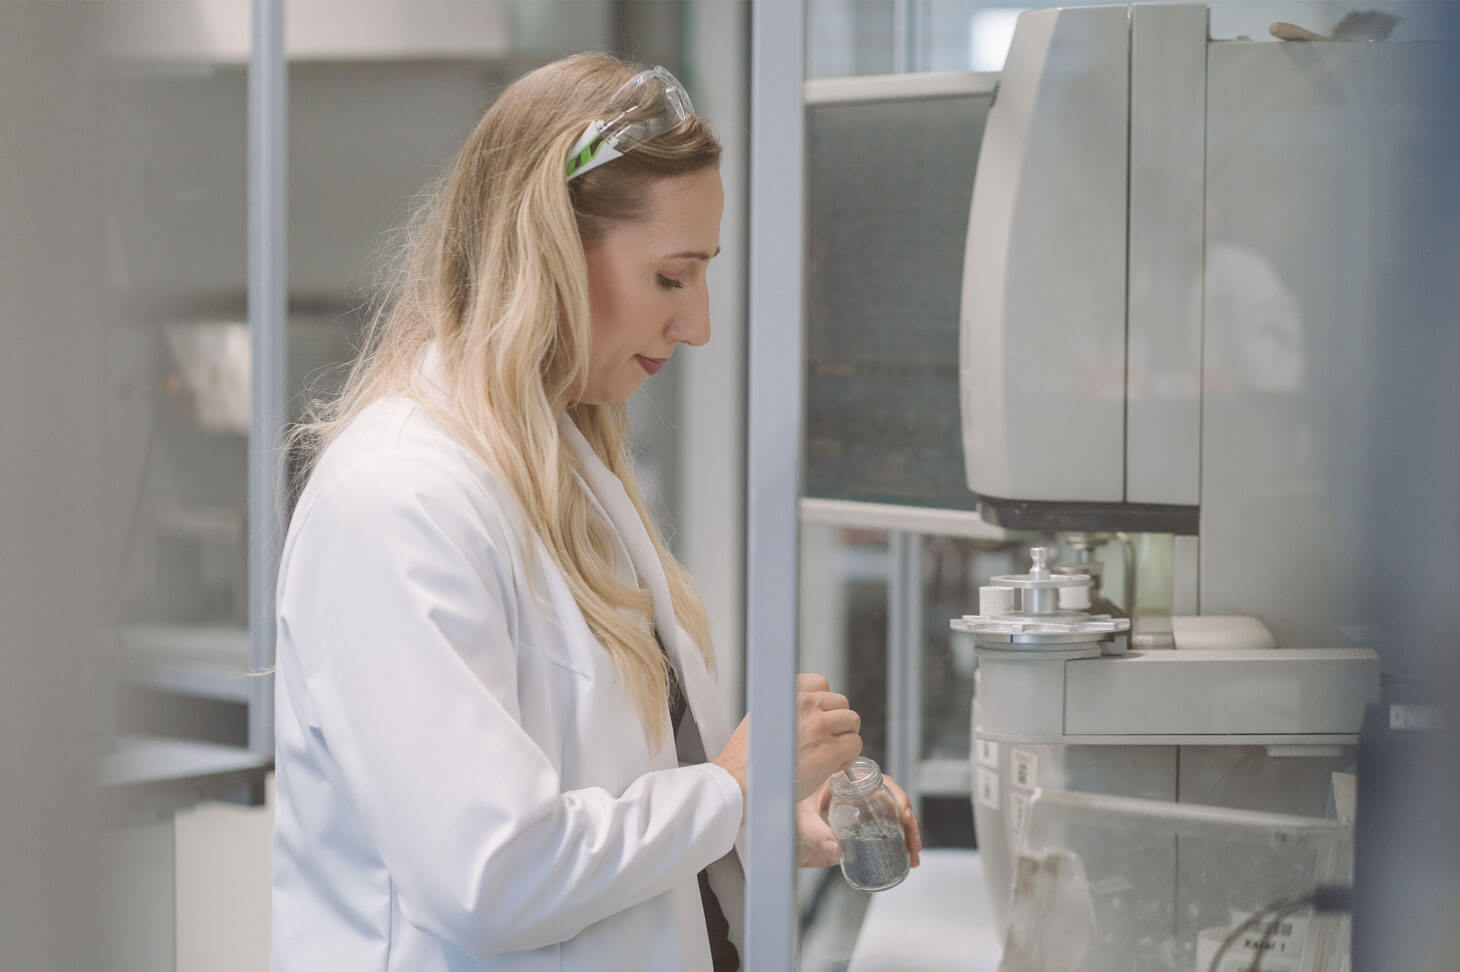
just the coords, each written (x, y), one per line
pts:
(864, 817)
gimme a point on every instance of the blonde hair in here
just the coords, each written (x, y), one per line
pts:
(495, 275)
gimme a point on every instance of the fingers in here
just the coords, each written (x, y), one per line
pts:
(830, 737)
(813, 691)
(821, 799)
(816, 845)
(823, 758)
(828, 741)
(838, 722)
(808, 703)
(828, 731)
(811, 853)
(830, 700)
(911, 831)
(824, 714)
(848, 747)
(808, 682)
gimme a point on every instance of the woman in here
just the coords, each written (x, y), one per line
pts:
(499, 743)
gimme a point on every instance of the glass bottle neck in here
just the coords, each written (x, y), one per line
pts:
(861, 778)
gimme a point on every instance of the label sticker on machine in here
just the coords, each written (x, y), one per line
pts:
(1242, 962)
(1280, 945)
(1026, 768)
(986, 786)
(1018, 807)
(986, 752)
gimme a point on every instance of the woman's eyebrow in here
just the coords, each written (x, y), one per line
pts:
(694, 255)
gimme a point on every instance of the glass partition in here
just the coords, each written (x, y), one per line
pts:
(378, 104)
(177, 225)
(891, 547)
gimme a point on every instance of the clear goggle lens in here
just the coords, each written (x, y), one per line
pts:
(649, 104)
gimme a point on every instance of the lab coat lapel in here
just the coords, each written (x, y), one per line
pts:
(727, 878)
(433, 386)
(624, 568)
(695, 681)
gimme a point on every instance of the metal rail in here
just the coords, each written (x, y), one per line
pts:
(774, 429)
(268, 309)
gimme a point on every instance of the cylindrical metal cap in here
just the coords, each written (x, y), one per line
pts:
(994, 601)
(1044, 618)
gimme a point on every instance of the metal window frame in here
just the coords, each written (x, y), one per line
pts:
(773, 473)
(268, 311)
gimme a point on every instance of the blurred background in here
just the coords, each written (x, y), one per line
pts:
(135, 821)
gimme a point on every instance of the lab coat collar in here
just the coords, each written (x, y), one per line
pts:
(727, 879)
(689, 664)
(432, 375)
(638, 562)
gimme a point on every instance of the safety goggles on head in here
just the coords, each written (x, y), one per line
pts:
(652, 102)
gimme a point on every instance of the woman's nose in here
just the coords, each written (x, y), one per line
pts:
(692, 325)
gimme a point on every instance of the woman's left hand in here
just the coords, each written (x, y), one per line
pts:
(911, 832)
(816, 844)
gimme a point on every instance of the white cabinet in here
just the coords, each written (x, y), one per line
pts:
(218, 31)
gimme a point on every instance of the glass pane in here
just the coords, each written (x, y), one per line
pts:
(177, 228)
(852, 580)
(888, 183)
(850, 37)
(348, 216)
(847, 38)
(844, 631)
(885, 268)
(888, 180)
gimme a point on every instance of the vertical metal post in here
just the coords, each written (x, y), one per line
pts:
(711, 522)
(268, 308)
(774, 429)
(904, 658)
(901, 17)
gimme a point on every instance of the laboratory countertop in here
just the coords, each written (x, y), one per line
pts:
(938, 919)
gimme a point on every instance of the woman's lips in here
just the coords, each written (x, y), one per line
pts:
(651, 365)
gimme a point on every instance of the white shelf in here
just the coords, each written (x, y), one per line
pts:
(219, 31)
(891, 516)
(201, 661)
(893, 87)
(154, 759)
(150, 778)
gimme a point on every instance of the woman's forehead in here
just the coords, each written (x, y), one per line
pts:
(681, 219)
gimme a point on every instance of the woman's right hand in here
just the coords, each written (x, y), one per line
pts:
(827, 737)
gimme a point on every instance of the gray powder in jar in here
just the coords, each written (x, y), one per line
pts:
(874, 855)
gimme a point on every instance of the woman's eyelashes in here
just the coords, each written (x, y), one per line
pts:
(669, 283)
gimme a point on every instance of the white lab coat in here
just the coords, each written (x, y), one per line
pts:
(462, 781)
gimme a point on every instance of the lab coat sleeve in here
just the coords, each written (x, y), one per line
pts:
(399, 597)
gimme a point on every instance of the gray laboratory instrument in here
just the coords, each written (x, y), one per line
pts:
(1168, 295)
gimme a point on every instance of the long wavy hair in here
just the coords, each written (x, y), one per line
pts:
(493, 273)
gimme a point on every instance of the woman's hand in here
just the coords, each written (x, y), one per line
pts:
(816, 844)
(827, 738)
(828, 734)
(912, 833)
